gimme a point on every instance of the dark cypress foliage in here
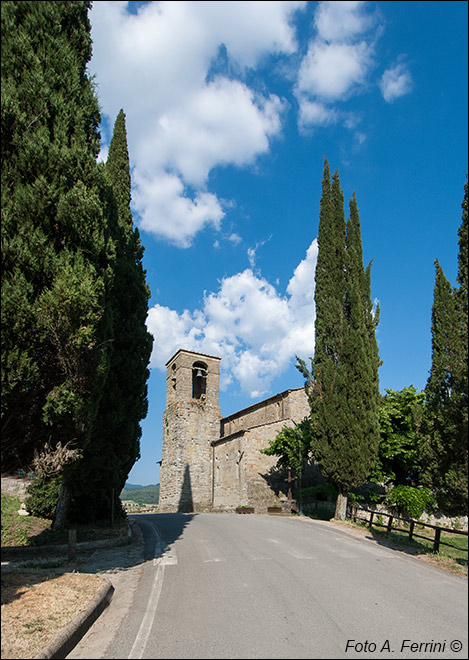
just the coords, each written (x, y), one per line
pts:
(343, 384)
(54, 244)
(462, 257)
(115, 445)
(446, 414)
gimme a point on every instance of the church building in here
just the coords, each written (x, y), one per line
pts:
(210, 463)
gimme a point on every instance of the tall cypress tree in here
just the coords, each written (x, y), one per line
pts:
(343, 384)
(115, 445)
(54, 233)
(446, 415)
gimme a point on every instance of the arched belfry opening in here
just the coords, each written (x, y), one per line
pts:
(199, 380)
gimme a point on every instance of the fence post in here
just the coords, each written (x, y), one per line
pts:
(371, 518)
(354, 509)
(389, 528)
(72, 544)
(411, 529)
(436, 542)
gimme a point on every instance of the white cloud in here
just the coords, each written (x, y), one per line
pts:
(252, 252)
(299, 287)
(168, 213)
(337, 64)
(250, 29)
(248, 323)
(338, 21)
(395, 82)
(313, 113)
(223, 122)
(103, 154)
(331, 71)
(181, 120)
(252, 257)
(235, 238)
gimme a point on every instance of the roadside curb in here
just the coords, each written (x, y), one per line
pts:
(69, 637)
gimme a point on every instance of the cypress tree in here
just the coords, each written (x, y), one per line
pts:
(55, 249)
(446, 416)
(343, 385)
(462, 261)
(361, 400)
(115, 445)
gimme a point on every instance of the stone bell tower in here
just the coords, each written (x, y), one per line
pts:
(191, 422)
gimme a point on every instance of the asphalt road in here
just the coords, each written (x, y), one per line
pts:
(254, 586)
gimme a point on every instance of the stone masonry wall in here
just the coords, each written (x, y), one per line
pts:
(16, 486)
(242, 475)
(292, 404)
(209, 463)
(261, 483)
(189, 427)
(297, 405)
(229, 487)
(186, 469)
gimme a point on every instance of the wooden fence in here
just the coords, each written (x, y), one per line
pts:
(353, 510)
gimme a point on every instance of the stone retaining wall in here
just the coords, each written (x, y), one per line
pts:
(458, 522)
(15, 486)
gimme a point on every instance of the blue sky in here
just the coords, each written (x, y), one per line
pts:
(231, 108)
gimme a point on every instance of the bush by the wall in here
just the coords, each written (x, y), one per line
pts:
(410, 502)
(44, 494)
(323, 493)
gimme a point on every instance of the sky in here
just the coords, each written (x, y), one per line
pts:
(231, 108)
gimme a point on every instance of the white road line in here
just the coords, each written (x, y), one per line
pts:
(160, 560)
(208, 551)
(169, 558)
(145, 627)
(298, 555)
(159, 543)
(291, 551)
(255, 556)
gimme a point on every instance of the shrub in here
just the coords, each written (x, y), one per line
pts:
(410, 502)
(355, 499)
(322, 493)
(325, 513)
(44, 495)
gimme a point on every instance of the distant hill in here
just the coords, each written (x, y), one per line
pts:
(141, 494)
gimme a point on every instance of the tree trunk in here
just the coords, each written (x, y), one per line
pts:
(341, 506)
(61, 511)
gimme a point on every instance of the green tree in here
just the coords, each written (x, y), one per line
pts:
(115, 440)
(400, 420)
(292, 445)
(446, 414)
(342, 385)
(55, 248)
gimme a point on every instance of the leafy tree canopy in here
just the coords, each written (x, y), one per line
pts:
(400, 418)
(292, 445)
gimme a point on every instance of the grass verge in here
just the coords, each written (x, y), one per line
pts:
(20, 531)
(452, 559)
(42, 596)
(36, 607)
